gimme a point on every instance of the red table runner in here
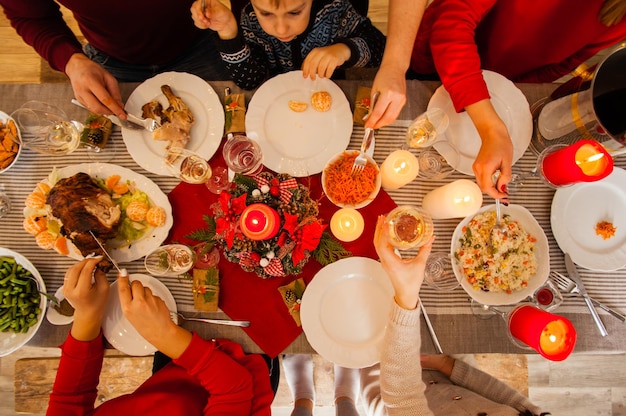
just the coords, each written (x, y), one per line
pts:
(246, 296)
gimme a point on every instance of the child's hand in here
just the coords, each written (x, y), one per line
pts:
(215, 16)
(323, 61)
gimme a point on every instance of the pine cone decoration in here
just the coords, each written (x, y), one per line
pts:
(290, 297)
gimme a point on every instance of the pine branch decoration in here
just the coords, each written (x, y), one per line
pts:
(330, 250)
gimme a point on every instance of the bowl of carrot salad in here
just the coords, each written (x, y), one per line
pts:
(345, 189)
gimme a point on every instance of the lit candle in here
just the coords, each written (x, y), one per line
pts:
(456, 199)
(550, 335)
(347, 224)
(400, 167)
(583, 161)
(259, 222)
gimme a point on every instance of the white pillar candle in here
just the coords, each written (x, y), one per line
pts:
(347, 224)
(400, 167)
(456, 199)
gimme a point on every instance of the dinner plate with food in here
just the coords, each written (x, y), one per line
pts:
(189, 111)
(124, 209)
(344, 311)
(299, 123)
(510, 104)
(588, 222)
(500, 271)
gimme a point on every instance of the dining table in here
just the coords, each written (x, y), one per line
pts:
(458, 330)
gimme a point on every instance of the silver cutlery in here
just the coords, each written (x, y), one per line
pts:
(113, 262)
(149, 124)
(573, 274)
(176, 315)
(433, 335)
(133, 122)
(361, 160)
(567, 285)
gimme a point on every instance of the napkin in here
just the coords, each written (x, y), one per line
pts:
(234, 113)
(206, 289)
(246, 296)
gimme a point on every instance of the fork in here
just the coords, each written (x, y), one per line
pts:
(176, 315)
(361, 160)
(567, 285)
(149, 124)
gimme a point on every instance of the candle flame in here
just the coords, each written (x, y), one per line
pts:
(591, 158)
(401, 167)
(552, 338)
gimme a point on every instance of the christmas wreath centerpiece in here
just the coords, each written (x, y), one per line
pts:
(300, 232)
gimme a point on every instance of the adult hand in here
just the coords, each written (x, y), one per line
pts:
(323, 61)
(496, 150)
(88, 299)
(215, 16)
(94, 86)
(151, 318)
(406, 275)
(390, 81)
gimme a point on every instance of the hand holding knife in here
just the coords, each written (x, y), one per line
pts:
(573, 274)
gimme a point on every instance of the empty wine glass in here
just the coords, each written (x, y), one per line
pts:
(242, 154)
(188, 166)
(5, 202)
(409, 227)
(170, 260)
(425, 130)
(439, 274)
(46, 128)
(218, 181)
(438, 163)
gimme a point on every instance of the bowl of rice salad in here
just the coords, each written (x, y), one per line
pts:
(512, 268)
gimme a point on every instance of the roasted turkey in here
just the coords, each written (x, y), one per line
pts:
(82, 206)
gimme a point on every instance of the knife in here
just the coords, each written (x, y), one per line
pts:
(114, 119)
(573, 274)
(113, 262)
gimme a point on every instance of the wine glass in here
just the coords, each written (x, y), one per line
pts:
(547, 297)
(242, 154)
(188, 166)
(46, 128)
(438, 163)
(170, 260)
(218, 181)
(409, 227)
(439, 274)
(5, 202)
(425, 130)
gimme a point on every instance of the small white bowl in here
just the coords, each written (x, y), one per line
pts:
(369, 198)
(4, 118)
(53, 316)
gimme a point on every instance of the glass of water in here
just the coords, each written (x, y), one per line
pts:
(170, 260)
(46, 128)
(242, 154)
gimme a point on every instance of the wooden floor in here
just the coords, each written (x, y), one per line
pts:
(583, 385)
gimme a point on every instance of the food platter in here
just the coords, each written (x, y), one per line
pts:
(298, 143)
(578, 208)
(202, 100)
(345, 309)
(152, 238)
(10, 341)
(119, 331)
(542, 253)
(510, 104)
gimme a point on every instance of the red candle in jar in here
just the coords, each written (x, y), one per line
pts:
(550, 335)
(259, 222)
(583, 161)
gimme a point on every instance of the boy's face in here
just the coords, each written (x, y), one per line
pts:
(286, 21)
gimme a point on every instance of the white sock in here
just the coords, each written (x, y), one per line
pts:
(347, 382)
(299, 376)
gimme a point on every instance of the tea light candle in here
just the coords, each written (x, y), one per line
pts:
(259, 222)
(400, 167)
(583, 161)
(347, 224)
(455, 199)
(550, 335)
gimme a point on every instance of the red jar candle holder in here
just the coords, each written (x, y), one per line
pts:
(259, 222)
(583, 161)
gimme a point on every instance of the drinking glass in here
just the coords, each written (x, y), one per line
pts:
(434, 165)
(218, 181)
(439, 274)
(170, 260)
(426, 128)
(242, 154)
(46, 128)
(409, 227)
(548, 296)
(188, 166)
(5, 202)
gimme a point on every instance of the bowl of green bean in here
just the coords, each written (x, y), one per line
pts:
(22, 301)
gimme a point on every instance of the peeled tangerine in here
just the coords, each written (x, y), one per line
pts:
(34, 225)
(156, 216)
(60, 245)
(45, 240)
(36, 200)
(137, 210)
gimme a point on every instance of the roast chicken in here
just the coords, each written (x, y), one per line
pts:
(176, 120)
(82, 206)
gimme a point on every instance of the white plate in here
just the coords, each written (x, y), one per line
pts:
(206, 107)
(578, 208)
(53, 316)
(345, 310)
(510, 104)
(10, 341)
(542, 251)
(119, 331)
(154, 236)
(299, 144)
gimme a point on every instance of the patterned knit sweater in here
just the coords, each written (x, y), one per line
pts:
(254, 56)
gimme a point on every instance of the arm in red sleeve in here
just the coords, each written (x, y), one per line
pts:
(40, 23)
(76, 384)
(454, 49)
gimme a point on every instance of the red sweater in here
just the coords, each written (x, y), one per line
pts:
(524, 40)
(210, 378)
(136, 31)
